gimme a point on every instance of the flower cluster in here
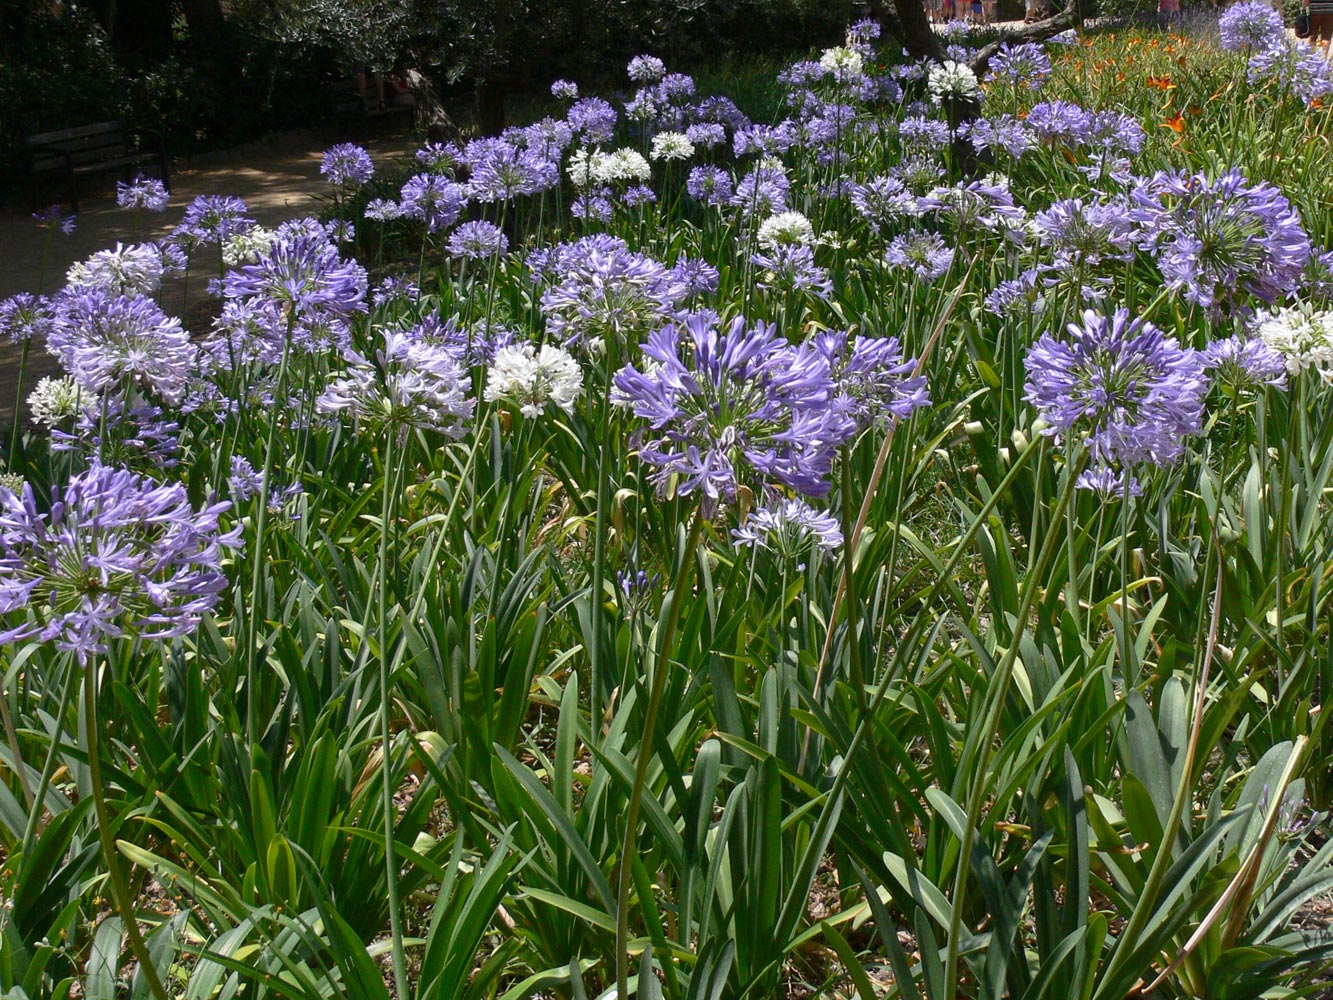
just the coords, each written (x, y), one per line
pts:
(532, 378)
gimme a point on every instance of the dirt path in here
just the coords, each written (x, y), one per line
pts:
(277, 179)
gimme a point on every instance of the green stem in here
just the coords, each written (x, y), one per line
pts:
(49, 768)
(994, 705)
(120, 893)
(661, 664)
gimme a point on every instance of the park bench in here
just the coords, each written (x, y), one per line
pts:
(91, 149)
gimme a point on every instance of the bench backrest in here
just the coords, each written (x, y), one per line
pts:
(89, 144)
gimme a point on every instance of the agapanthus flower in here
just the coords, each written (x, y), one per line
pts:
(26, 316)
(124, 270)
(211, 218)
(976, 205)
(147, 194)
(671, 146)
(53, 217)
(873, 382)
(644, 69)
(58, 400)
(706, 134)
(710, 185)
(639, 194)
(247, 247)
(395, 288)
(565, 90)
(1108, 482)
(534, 378)
(106, 340)
(763, 192)
(863, 32)
(883, 200)
(951, 80)
(1018, 296)
(785, 229)
(790, 267)
(509, 172)
(440, 157)
(1067, 37)
(923, 134)
(1220, 242)
(347, 165)
(1058, 122)
(1250, 25)
(1294, 68)
(1114, 133)
(1121, 386)
(842, 62)
(433, 200)
(918, 174)
(595, 204)
(1303, 336)
(922, 253)
(694, 276)
(734, 406)
(117, 554)
(593, 118)
(1086, 234)
(382, 210)
(765, 140)
(1002, 132)
(622, 166)
(1023, 65)
(411, 383)
(790, 528)
(477, 240)
(1241, 362)
(138, 436)
(607, 291)
(723, 110)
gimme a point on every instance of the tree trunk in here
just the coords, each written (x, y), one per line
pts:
(432, 119)
(204, 19)
(490, 95)
(908, 22)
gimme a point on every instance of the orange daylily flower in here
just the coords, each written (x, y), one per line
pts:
(1176, 124)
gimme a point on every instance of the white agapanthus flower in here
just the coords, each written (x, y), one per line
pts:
(951, 79)
(786, 229)
(247, 247)
(124, 270)
(1302, 335)
(842, 61)
(582, 167)
(56, 400)
(671, 146)
(621, 165)
(532, 378)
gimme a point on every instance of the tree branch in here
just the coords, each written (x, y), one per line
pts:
(1035, 32)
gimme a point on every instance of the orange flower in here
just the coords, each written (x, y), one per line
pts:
(1160, 82)
(1176, 124)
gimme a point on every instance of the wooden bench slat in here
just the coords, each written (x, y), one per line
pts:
(89, 149)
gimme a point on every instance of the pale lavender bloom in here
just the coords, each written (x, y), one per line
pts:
(1130, 393)
(477, 240)
(118, 554)
(694, 276)
(918, 174)
(722, 110)
(883, 200)
(211, 218)
(1245, 363)
(565, 90)
(25, 316)
(52, 217)
(433, 200)
(412, 384)
(440, 157)
(1114, 133)
(863, 31)
(143, 193)
(106, 341)
(643, 69)
(723, 408)
(605, 293)
(1057, 122)
(1087, 235)
(1221, 242)
(1003, 131)
(923, 134)
(1024, 65)
(382, 210)
(922, 253)
(1294, 68)
(244, 483)
(790, 528)
(595, 204)
(675, 86)
(507, 172)
(347, 164)
(548, 138)
(706, 135)
(765, 140)
(594, 119)
(1108, 482)
(762, 192)
(976, 205)
(873, 382)
(792, 268)
(141, 436)
(710, 185)
(637, 195)
(555, 261)
(1019, 296)
(1250, 25)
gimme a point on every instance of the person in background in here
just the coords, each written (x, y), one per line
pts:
(1168, 13)
(1320, 13)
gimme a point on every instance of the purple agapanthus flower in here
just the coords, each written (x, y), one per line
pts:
(106, 341)
(874, 384)
(1243, 363)
(1057, 122)
(1221, 243)
(477, 240)
(883, 200)
(347, 164)
(594, 119)
(763, 192)
(1024, 65)
(922, 253)
(1003, 132)
(643, 69)
(790, 528)
(790, 267)
(1108, 482)
(1083, 235)
(608, 293)
(729, 407)
(506, 172)
(1294, 68)
(117, 554)
(710, 185)
(26, 316)
(211, 218)
(1249, 26)
(440, 157)
(694, 276)
(433, 200)
(54, 217)
(139, 436)
(146, 194)
(565, 90)
(412, 384)
(1121, 386)
(923, 134)
(706, 135)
